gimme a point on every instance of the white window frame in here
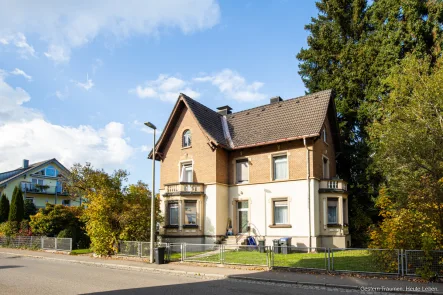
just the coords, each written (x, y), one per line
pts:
(182, 165)
(169, 204)
(274, 201)
(236, 172)
(323, 167)
(276, 155)
(337, 211)
(185, 143)
(325, 135)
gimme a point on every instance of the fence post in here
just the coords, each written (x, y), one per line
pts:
(222, 259)
(41, 242)
(183, 248)
(139, 249)
(404, 269)
(30, 244)
(329, 259)
(55, 244)
(332, 259)
(70, 244)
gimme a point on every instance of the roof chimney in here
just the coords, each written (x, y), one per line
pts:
(25, 163)
(276, 99)
(224, 110)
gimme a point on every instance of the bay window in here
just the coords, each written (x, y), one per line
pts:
(190, 213)
(332, 211)
(173, 213)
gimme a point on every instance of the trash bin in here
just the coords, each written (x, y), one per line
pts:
(285, 244)
(160, 255)
(276, 245)
(261, 246)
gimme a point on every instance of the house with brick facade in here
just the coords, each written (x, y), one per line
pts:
(267, 172)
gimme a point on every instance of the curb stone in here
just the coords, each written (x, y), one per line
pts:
(322, 285)
(216, 276)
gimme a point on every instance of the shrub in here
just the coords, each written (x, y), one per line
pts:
(61, 221)
(9, 229)
(79, 238)
(4, 208)
(16, 211)
(30, 209)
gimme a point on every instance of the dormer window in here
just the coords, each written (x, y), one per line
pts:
(186, 138)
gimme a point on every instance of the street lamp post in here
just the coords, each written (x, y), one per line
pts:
(151, 250)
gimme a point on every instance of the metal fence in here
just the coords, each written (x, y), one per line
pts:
(37, 242)
(417, 262)
(382, 261)
(136, 248)
(371, 261)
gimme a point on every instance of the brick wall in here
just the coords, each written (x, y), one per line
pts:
(204, 159)
(219, 165)
(324, 149)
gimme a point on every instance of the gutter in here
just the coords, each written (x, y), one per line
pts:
(308, 174)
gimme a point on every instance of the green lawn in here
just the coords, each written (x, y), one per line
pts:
(347, 260)
(81, 251)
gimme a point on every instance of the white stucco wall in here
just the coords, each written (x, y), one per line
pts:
(260, 207)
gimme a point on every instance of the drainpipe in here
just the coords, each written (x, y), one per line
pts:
(309, 190)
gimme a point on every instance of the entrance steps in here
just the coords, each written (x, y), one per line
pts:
(232, 241)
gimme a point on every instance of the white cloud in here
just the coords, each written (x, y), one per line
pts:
(19, 72)
(19, 41)
(234, 86)
(87, 85)
(68, 24)
(58, 54)
(165, 88)
(25, 133)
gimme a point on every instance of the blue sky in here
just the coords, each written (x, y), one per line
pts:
(77, 80)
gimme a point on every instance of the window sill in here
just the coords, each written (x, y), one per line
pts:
(170, 226)
(186, 147)
(280, 226)
(333, 225)
(190, 226)
(279, 180)
(240, 183)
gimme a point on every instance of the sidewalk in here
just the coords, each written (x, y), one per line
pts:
(250, 274)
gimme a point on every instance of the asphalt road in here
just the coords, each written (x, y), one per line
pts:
(21, 275)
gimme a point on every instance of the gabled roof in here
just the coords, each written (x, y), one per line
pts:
(281, 121)
(7, 176)
(286, 120)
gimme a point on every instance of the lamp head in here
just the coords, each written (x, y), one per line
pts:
(150, 125)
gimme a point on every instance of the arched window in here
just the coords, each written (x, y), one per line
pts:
(187, 138)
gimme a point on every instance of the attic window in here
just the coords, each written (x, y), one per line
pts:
(186, 138)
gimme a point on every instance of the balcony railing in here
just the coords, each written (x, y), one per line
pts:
(184, 188)
(42, 189)
(333, 185)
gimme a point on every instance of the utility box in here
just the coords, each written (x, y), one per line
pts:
(160, 255)
(276, 244)
(285, 244)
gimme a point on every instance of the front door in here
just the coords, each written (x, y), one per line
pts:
(242, 216)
